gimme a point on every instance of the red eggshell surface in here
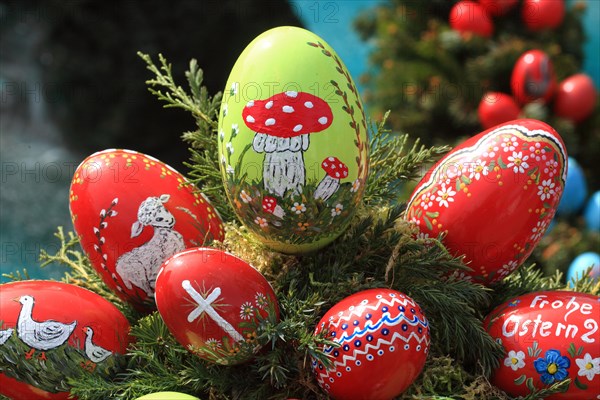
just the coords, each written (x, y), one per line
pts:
(548, 337)
(132, 212)
(74, 309)
(542, 14)
(212, 302)
(471, 17)
(384, 341)
(493, 196)
(496, 108)
(533, 77)
(575, 98)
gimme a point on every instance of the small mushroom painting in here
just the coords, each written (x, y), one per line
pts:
(292, 141)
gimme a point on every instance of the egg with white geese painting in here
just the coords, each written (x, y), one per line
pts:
(292, 141)
(58, 327)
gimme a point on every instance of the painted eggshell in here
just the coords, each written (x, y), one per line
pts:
(57, 327)
(213, 303)
(493, 196)
(292, 141)
(533, 77)
(131, 213)
(548, 337)
(384, 341)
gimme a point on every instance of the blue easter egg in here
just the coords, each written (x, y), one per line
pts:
(581, 263)
(575, 191)
(591, 213)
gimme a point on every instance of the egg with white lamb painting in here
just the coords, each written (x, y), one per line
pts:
(292, 141)
(131, 212)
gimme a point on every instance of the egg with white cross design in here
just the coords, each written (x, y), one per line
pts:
(215, 304)
(292, 141)
(383, 341)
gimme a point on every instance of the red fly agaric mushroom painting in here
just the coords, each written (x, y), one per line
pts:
(292, 141)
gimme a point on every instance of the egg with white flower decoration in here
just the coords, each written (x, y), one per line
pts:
(549, 337)
(493, 196)
(215, 304)
(292, 141)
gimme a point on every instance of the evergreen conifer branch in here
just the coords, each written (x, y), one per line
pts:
(392, 163)
(204, 164)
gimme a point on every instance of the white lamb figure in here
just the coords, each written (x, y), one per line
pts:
(140, 266)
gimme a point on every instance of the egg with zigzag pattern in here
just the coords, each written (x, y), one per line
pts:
(383, 340)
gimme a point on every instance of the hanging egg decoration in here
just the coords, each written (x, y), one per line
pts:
(548, 337)
(533, 77)
(214, 303)
(131, 212)
(383, 340)
(493, 196)
(576, 98)
(469, 17)
(292, 141)
(496, 108)
(542, 14)
(53, 331)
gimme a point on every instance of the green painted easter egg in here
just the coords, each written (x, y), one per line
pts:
(167, 396)
(292, 141)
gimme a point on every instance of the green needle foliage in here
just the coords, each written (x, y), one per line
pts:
(377, 250)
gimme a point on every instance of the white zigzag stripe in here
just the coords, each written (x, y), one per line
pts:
(369, 328)
(359, 310)
(357, 352)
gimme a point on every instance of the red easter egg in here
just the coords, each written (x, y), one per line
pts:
(548, 337)
(493, 196)
(575, 98)
(498, 7)
(58, 327)
(213, 303)
(384, 341)
(470, 17)
(496, 108)
(131, 213)
(533, 77)
(542, 14)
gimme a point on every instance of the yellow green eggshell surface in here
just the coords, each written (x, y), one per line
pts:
(292, 141)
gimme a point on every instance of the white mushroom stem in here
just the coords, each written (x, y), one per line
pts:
(283, 168)
(278, 212)
(327, 187)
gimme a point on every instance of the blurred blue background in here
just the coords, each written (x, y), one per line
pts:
(37, 160)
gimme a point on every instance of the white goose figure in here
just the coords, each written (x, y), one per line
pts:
(94, 352)
(43, 336)
(5, 335)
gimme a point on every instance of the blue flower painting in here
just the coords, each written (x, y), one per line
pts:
(553, 367)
